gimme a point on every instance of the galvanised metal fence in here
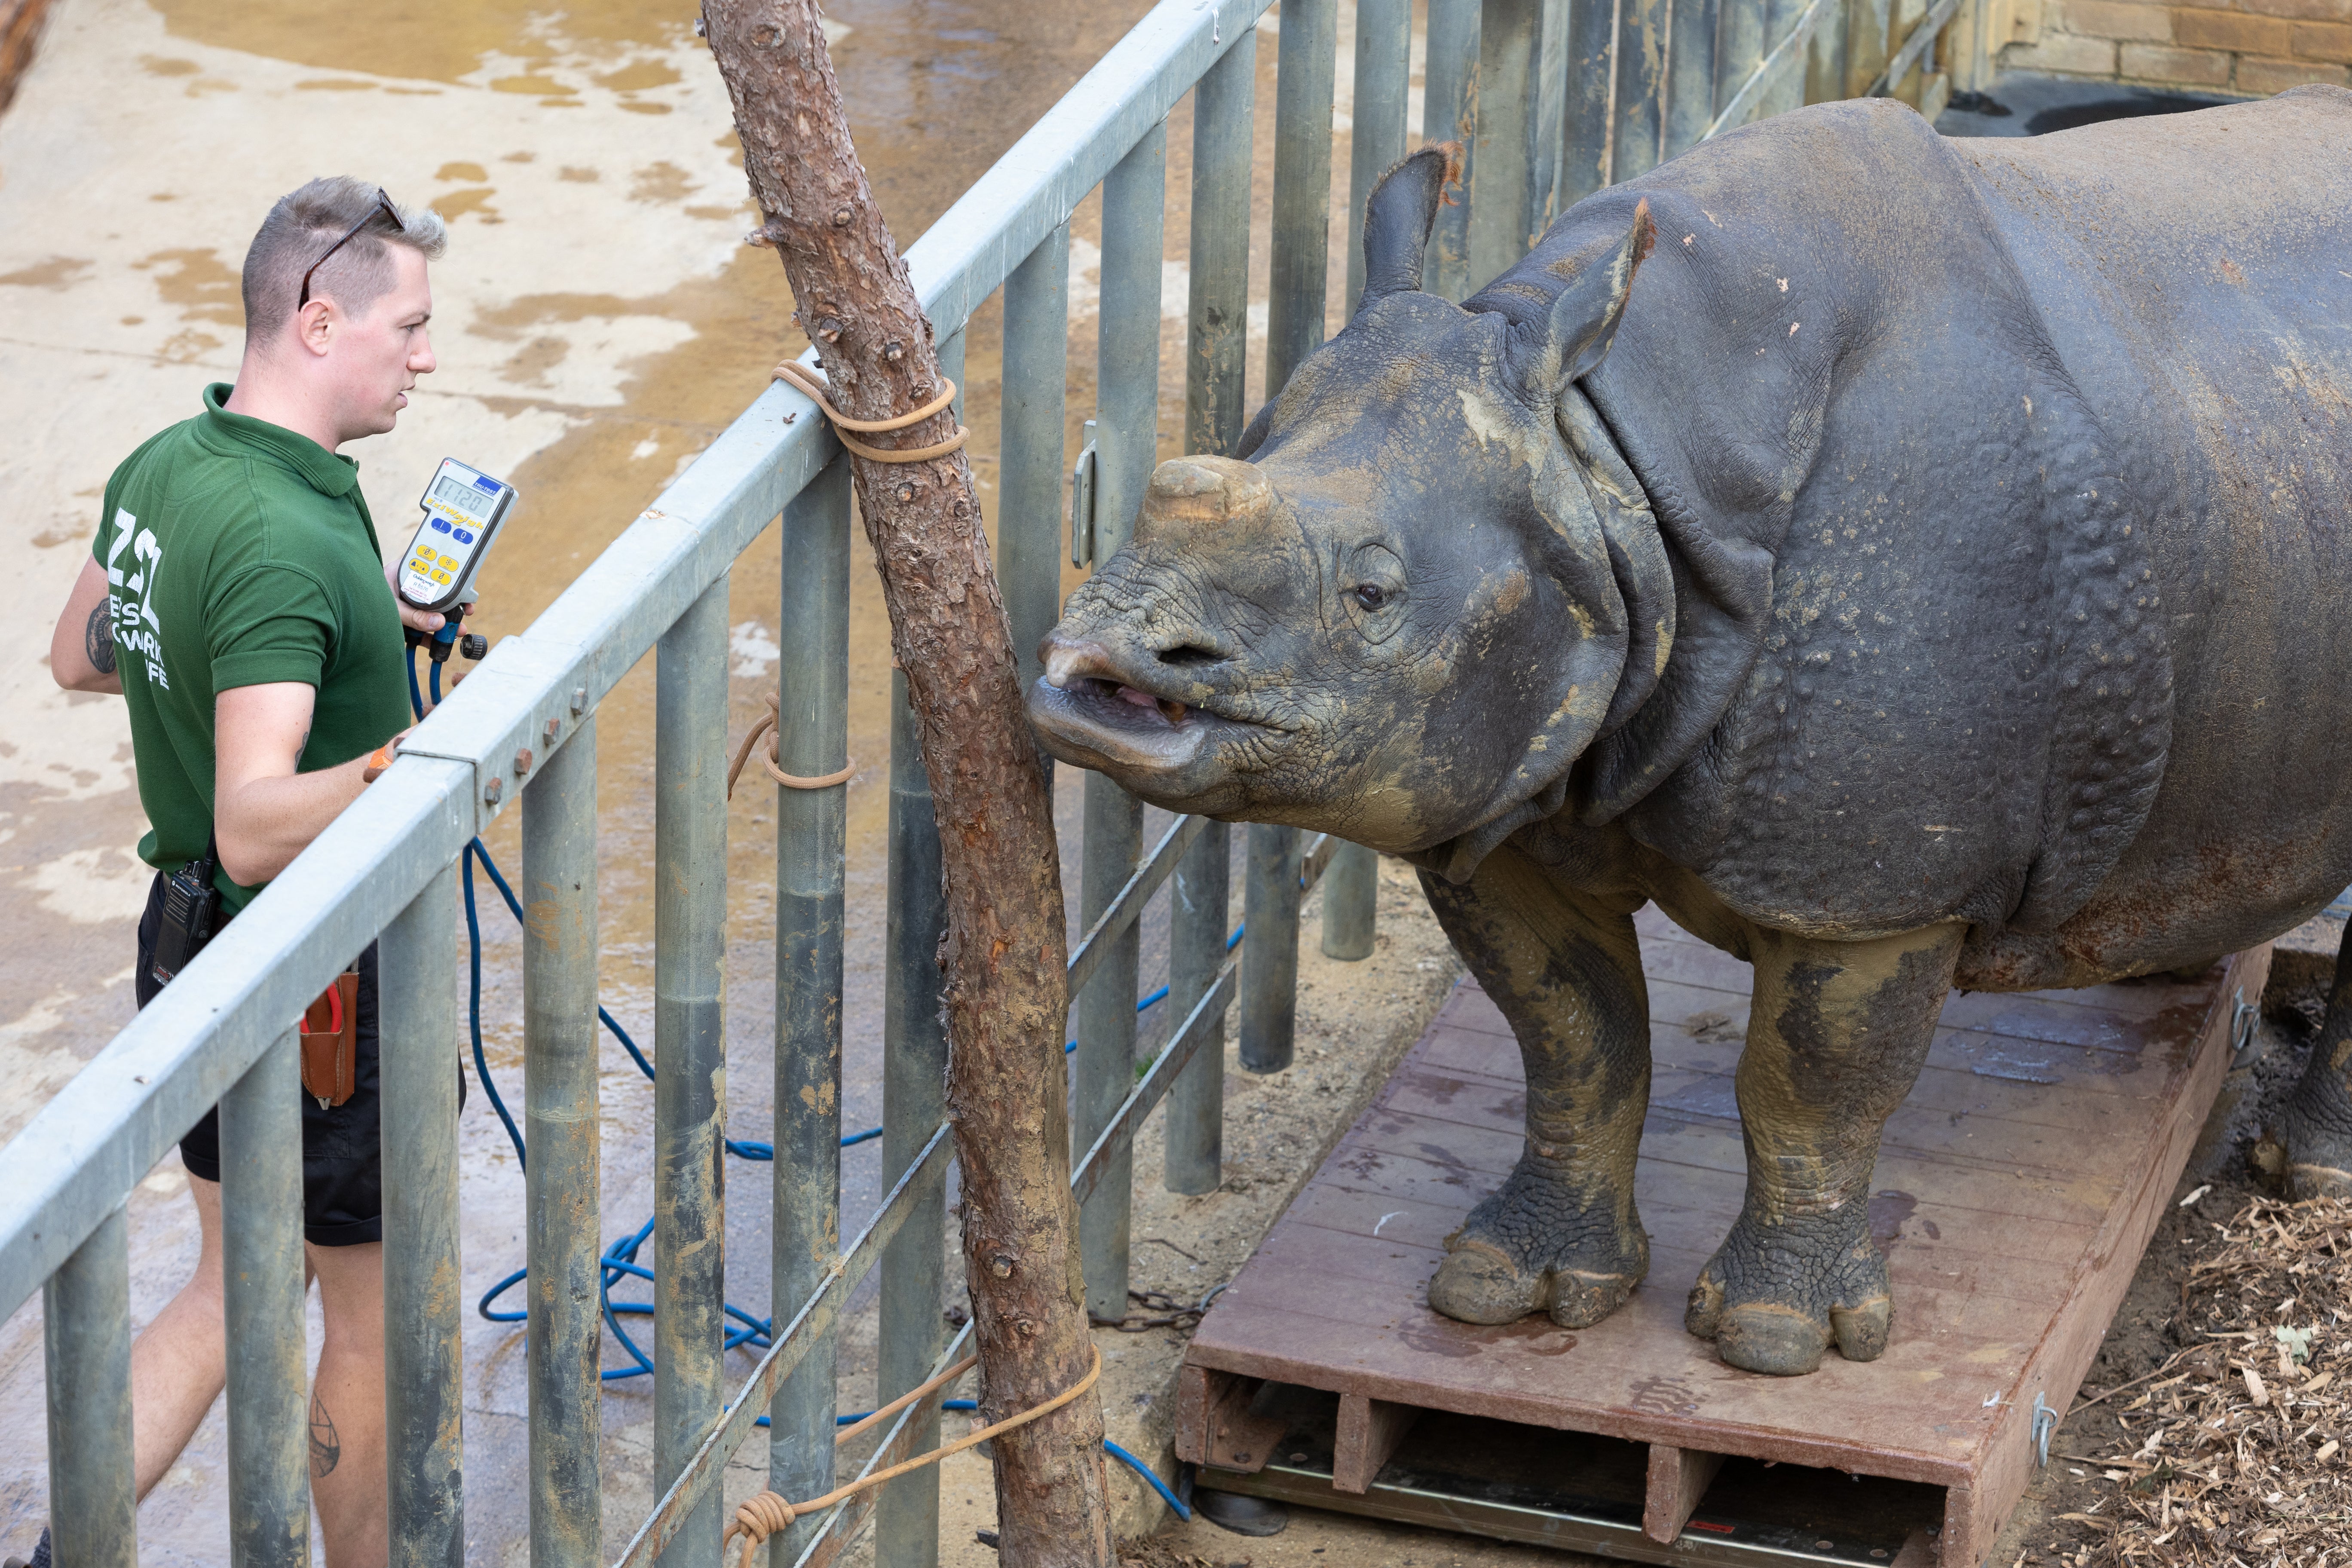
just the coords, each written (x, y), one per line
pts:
(1552, 98)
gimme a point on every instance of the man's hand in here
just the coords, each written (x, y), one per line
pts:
(410, 616)
(264, 813)
(81, 649)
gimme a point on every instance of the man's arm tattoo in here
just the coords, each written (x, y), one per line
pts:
(98, 639)
(326, 1448)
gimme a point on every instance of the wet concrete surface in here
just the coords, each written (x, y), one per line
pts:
(598, 321)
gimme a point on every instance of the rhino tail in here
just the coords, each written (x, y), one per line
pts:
(1399, 213)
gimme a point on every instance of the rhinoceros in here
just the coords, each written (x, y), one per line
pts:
(1911, 563)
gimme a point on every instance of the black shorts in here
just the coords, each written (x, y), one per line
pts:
(342, 1161)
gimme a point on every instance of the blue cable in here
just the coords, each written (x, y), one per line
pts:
(619, 1261)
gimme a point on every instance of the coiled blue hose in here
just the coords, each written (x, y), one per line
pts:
(619, 1261)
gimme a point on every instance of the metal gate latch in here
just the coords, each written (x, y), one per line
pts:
(2242, 1015)
(2045, 1421)
(1082, 502)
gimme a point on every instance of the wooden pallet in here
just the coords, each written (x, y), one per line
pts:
(2014, 1193)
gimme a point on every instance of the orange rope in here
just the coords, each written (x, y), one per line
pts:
(815, 386)
(774, 765)
(765, 1513)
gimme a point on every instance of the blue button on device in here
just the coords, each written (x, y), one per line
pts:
(465, 537)
(440, 526)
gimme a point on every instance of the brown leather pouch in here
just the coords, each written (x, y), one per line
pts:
(330, 1042)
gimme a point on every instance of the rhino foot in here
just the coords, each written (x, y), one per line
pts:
(1774, 1299)
(1536, 1245)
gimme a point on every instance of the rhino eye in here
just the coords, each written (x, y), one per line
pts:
(1371, 597)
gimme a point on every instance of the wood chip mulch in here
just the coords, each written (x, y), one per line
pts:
(2239, 1455)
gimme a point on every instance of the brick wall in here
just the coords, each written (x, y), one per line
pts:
(2252, 46)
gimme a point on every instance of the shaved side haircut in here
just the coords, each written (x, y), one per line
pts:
(299, 230)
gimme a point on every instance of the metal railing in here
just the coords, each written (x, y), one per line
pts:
(1552, 101)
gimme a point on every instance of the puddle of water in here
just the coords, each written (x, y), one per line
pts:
(422, 39)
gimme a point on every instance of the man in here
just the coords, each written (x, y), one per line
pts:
(237, 599)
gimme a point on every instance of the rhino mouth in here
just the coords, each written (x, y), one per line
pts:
(1089, 714)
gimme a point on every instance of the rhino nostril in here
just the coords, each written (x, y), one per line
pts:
(1190, 653)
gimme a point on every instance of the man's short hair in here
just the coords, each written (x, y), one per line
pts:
(299, 230)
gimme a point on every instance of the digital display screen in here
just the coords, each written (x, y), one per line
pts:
(459, 496)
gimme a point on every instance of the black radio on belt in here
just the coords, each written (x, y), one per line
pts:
(190, 904)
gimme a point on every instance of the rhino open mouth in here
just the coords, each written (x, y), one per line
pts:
(1089, 715)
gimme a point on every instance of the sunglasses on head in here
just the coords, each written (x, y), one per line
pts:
(382, 204)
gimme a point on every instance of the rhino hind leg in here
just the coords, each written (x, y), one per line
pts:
(1560, 1236)
(2319, 1112)
(1836, 1036)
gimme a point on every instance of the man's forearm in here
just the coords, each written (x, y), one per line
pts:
(263, 824)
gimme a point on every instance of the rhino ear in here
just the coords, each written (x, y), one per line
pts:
(1398, 214)
(1584, 317)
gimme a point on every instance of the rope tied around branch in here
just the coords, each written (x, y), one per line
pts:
(768, 725)
(815, 386)
(764, 1513)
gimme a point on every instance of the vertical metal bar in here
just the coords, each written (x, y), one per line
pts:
(1739, 48)
(1270, 963)
(914, 1043)
(1383, 70)
(1592, 77)
(86, 1329)
(1127, 422)
(1383, 55)
(560, 1114)
(914, 1100)
(1217, 331)
(1216, 343)
(1826, 57)
(1787, 91)
(1449, 112)
(262, 1284)
(423, 1359)
(811, 837)
(1690, 73)
(1350, 895)
(1029, 470)
(1195, 1129)
(1307, 56)
(1522, 86)
(689, 1049)
(1637, 134)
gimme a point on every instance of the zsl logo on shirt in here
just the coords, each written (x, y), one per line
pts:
(136, 629)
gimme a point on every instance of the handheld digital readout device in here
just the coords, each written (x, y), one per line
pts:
(463, 507)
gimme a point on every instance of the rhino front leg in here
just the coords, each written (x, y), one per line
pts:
(1836, 1036)
(2319, 1112)
(1560, 1236)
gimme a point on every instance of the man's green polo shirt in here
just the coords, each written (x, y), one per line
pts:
(239, 553)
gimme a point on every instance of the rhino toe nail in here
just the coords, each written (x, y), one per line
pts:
(1581, 1299)
(1862, 1331)
(1766, 1337)
(1704, 1314)
(1479, 1283)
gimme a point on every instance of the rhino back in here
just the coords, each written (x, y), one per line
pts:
(2195, 276)
(1929, 671)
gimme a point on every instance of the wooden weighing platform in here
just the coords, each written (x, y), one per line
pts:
(2014, 1193)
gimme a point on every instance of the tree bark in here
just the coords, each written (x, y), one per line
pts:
(1005, 947)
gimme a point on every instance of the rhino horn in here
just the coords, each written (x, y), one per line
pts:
(1398, 214)
(1584, 317)
(1201, 492)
